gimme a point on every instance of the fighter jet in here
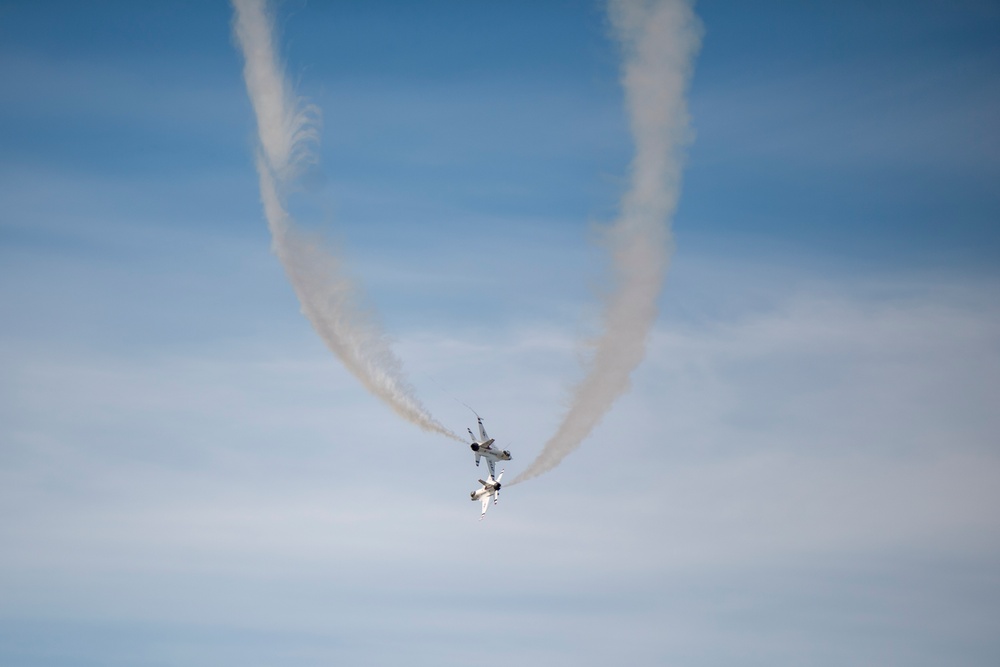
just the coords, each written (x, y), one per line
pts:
(490, 487)
(483, 448)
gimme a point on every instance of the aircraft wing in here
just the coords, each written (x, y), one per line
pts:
(491, 464)
(486, 505)
(482, 431)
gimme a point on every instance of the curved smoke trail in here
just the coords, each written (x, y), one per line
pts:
(659, 39)
(286, 127)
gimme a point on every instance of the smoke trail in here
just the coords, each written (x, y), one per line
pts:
(659, 39)
(286, 129)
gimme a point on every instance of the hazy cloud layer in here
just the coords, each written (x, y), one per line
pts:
(828, 436)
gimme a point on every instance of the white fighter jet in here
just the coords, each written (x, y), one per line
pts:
(483, 448)
(490, 487)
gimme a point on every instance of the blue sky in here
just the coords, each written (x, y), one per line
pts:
(804, 472)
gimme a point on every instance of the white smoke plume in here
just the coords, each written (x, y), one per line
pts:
(287, 129)
(659, 39)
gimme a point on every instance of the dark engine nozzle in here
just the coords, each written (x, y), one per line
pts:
(474, 446)
(497, 487)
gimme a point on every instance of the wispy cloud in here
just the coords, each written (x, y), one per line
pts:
(831, 424)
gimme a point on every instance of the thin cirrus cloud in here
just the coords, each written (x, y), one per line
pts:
(137, 528)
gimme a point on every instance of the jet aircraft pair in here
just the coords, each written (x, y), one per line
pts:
(484, 448)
